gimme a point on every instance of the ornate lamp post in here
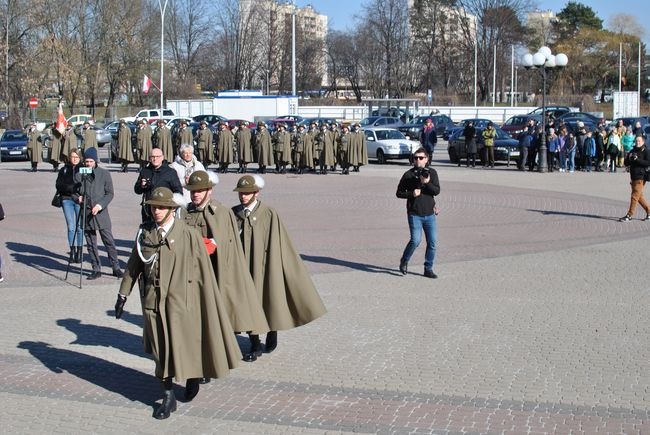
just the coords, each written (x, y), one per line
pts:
(543, 60)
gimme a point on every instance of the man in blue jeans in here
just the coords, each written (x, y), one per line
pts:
(418, 186)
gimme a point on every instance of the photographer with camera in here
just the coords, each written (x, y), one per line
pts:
(95, 193)
(638, 159)
(418, 186)
(156, 174)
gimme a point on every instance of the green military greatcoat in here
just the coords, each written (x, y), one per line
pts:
(186, 326)
(284, 287)
(218, 222)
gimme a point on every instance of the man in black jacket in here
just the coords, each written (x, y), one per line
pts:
(418, 186)
(156, 174)
(638, 159)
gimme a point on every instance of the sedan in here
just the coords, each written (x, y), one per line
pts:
(388, 143)
(505, 147)
(210, 119)
(414, 127)
(518, 123)
(234, 123)
(380, 121)
(581, 116)
(478, 123)
(13, 145)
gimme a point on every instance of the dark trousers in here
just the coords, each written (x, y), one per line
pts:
(109, 244)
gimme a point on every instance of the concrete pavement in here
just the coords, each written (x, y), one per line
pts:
(537, 323)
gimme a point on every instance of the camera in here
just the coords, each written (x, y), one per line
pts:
(632, 156)
(422, 172)
(145, 183)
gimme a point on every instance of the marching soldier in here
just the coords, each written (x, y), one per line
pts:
(69, 141)
(220, 232)
(186, 326)
(34, 146)
(124, 145)
(344, 150)
(204, 144)
(225, 147)
(144, 145)
(336, 133)
(56, 155)
(358, 155)
(325, 149)
(164, 140)
(244, 148)
(88, 137)
(299, 143)
(284, 287)
(263, 147)
(183, 136)
(282, 149)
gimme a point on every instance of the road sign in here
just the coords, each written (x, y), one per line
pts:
(33, 103)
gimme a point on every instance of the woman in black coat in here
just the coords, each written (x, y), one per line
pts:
(66, 187)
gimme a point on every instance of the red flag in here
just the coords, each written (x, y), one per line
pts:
(60, 120)
(146, 84)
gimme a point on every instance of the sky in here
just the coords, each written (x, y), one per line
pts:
(341, 12)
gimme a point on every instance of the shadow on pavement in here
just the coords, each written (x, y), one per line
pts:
(349, 264)
(94, 335)
(134, 319)
(568, 213)
(127, 382)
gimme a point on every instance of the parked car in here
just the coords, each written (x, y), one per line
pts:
(13, 145)
(209, 119)
(232, 123)
(388, 143)
(294, 118)
(104, 136)
(518, 123)
(572, 123)
(553, 111)
(505, 147)
(307, 121)
(478, 123)
(582, 116)
(393, 112)
(414, 127)
(380, 121)
(76, 120)
(151, 115)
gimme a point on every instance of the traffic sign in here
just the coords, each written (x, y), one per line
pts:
(33, 103)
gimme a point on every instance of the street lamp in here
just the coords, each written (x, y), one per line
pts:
(544, 60)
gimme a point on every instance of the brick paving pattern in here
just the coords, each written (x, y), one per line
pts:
(537, 324)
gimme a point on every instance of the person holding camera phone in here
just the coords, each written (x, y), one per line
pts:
(156, 174)
(419, 185)
(638, 159)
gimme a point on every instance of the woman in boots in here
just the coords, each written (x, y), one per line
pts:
(66, 186)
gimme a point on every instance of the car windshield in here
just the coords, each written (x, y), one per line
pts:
(368, 121)
(14, 136)
(389, 134)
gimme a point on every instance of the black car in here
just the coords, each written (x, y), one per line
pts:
(574, 124)
(319, 121)
(505, 147)
(478, 123)
(413, 128)
(13, 145)
(209, 119)
(582, 116)
(552, 111)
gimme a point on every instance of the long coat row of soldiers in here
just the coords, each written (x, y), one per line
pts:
(317, 149)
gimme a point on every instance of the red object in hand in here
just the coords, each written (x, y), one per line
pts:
(210, 245)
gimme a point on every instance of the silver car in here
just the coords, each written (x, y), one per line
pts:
(380, 121)
(388, 143)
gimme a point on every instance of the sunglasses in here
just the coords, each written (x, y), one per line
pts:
(420, 157)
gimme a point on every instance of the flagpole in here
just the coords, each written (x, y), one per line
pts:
(162, 49)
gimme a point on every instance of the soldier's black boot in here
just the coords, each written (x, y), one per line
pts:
(256, 348)
(169, 401)
(271, 341)
(192, 388)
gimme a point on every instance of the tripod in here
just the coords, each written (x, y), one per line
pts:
(80, 216)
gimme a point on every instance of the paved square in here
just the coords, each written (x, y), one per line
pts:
(537, 324)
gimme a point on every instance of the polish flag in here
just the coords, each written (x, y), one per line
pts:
(146, 84)
(60, 120)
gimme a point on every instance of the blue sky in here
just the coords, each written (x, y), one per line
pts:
(341, 12)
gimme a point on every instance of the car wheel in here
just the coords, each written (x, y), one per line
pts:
(381, 158)
(453, 157)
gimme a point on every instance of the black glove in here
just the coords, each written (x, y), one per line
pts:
(119, 306)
